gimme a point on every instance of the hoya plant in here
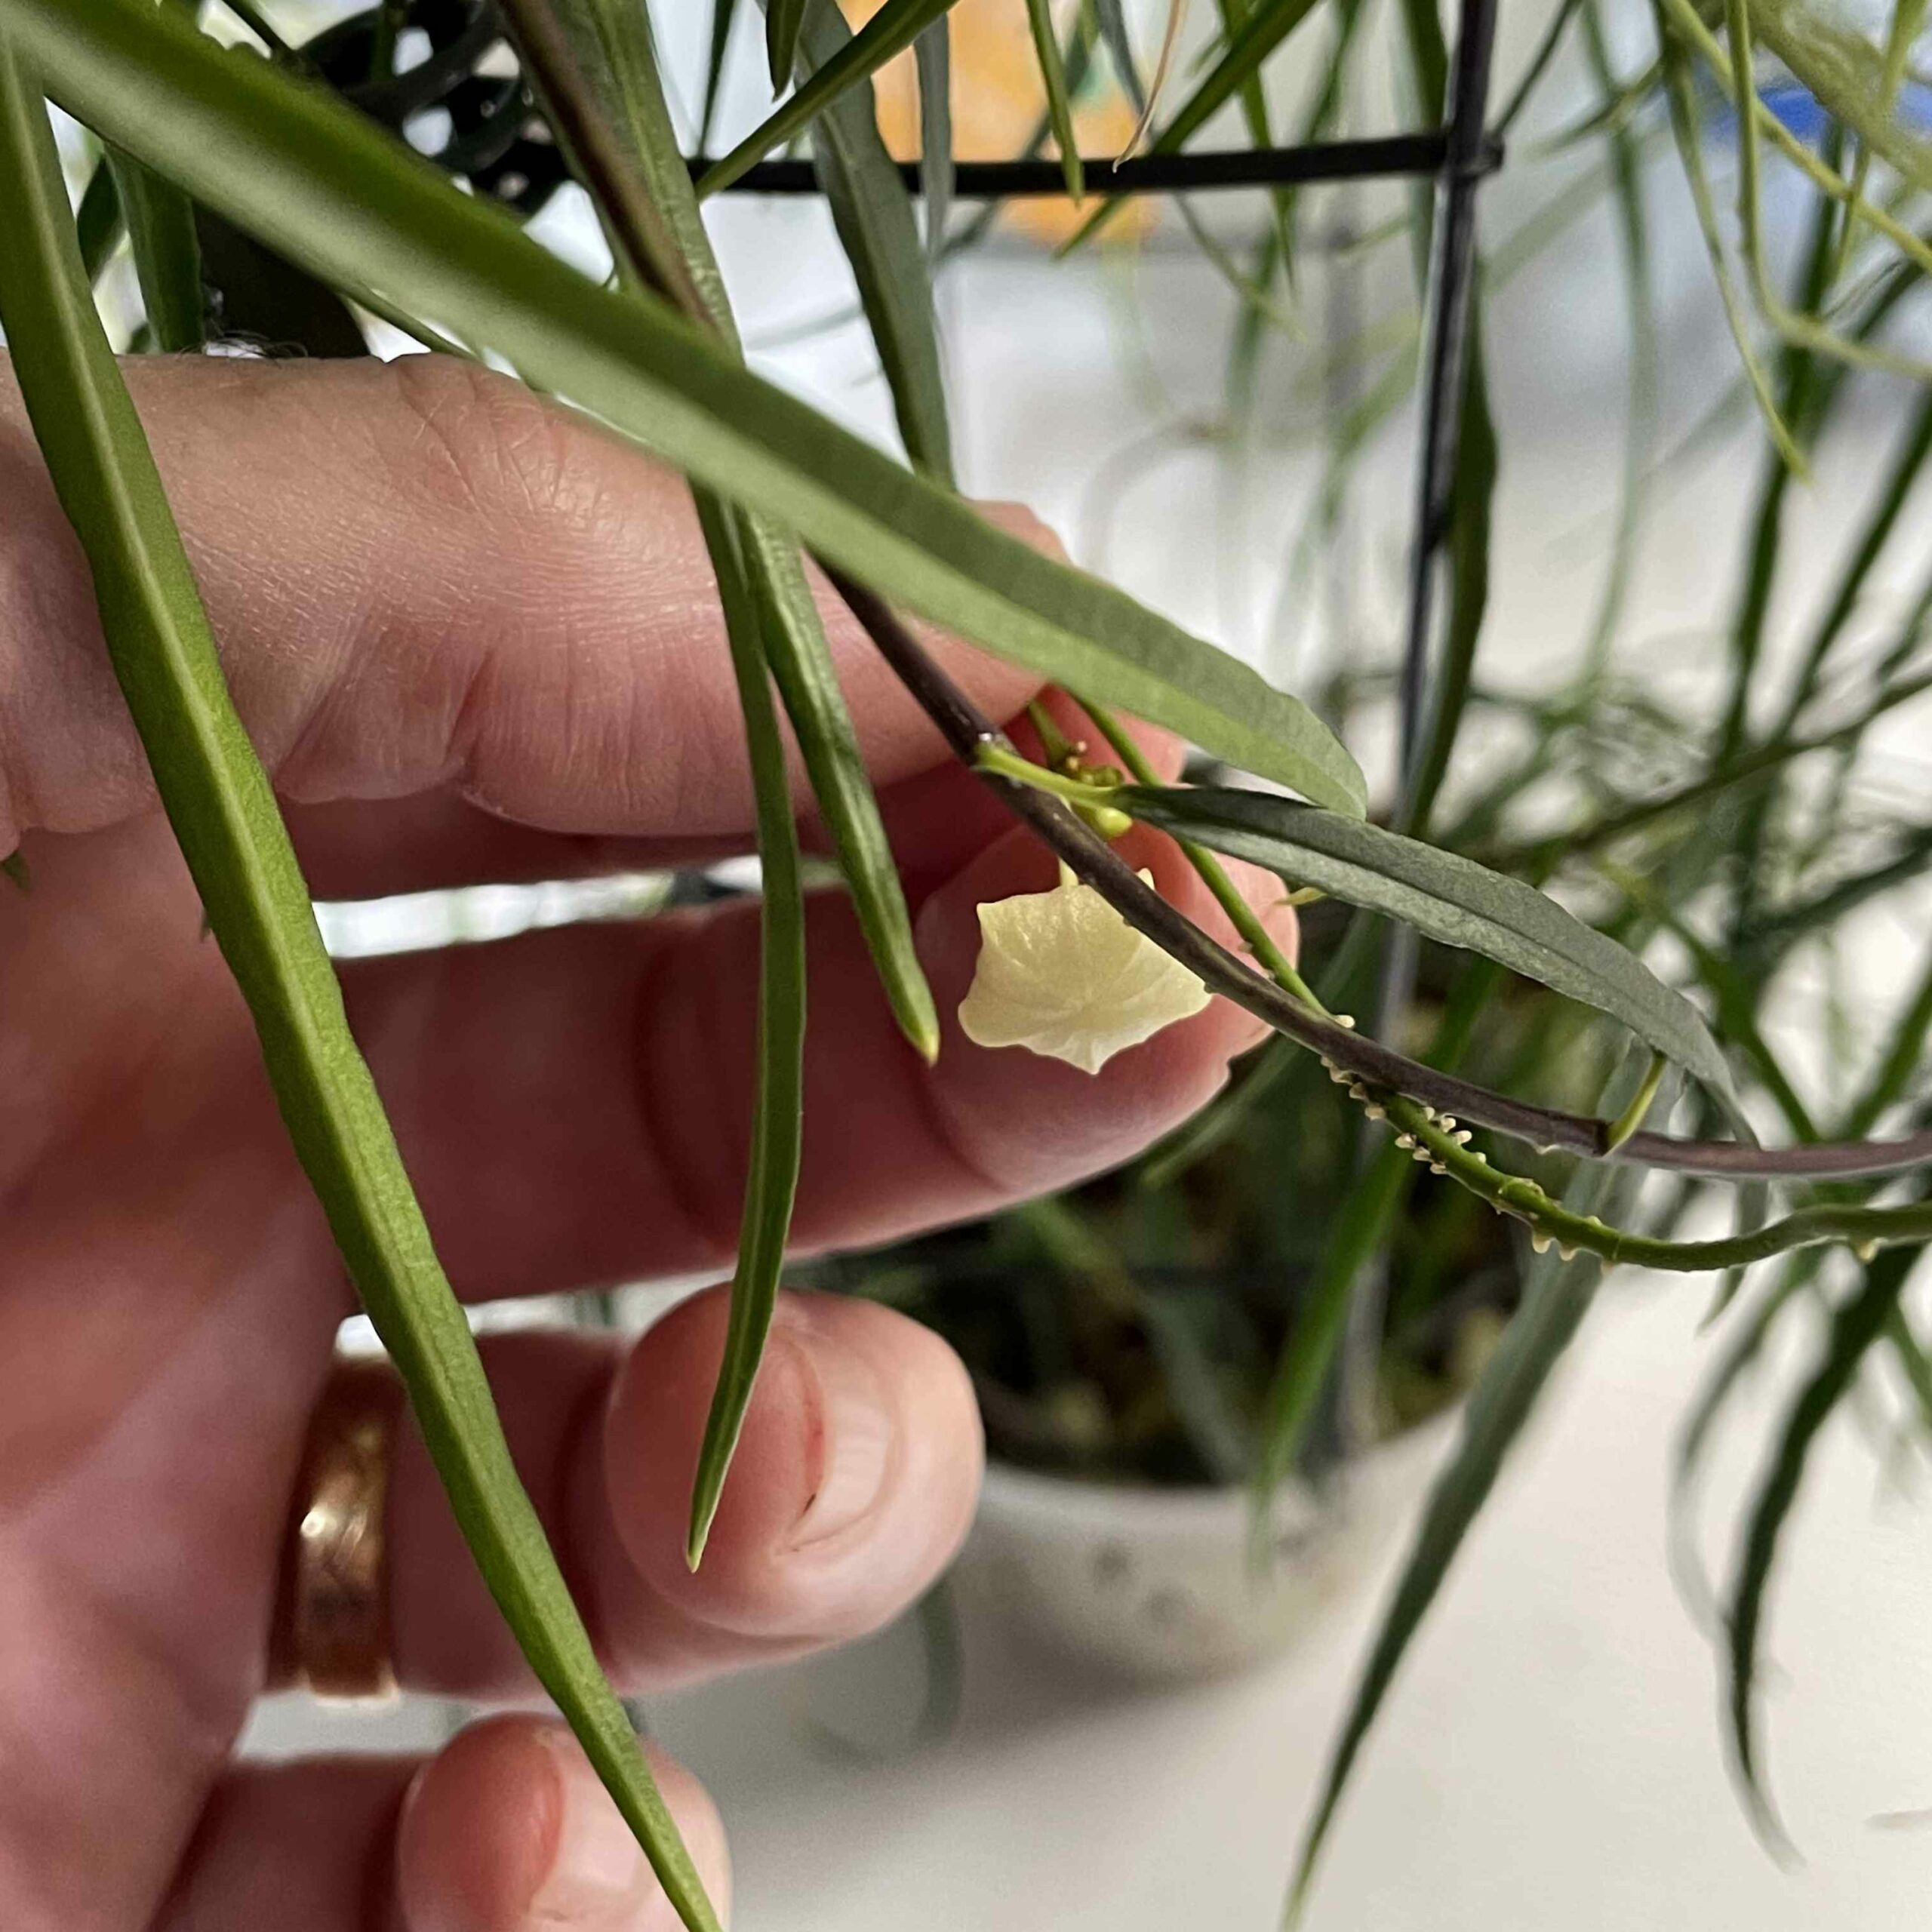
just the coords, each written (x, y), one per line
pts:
(247, 168)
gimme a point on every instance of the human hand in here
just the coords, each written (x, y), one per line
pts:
(472, 640)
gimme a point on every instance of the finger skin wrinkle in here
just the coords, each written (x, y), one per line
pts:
(979, 1188)
(418, 574)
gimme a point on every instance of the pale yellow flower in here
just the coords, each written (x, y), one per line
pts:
(1062, 974)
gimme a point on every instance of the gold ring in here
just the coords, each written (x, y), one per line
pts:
(332, 1626)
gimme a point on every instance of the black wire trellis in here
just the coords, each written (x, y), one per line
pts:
(1386, 157)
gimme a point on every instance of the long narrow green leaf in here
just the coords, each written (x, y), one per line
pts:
(1079, 55)
(1270, 23)
(286, 161)
(872, 212)
(891, 30)
(1319, 116)
(160, 224)
(1355, 1234)
(1472, 510)
(619, 60)
(1261, 131)
(1903, 1054)
(932, 54)
(1805, 387)
(100, 220)
(1749, 1333)
(1253, 95)
(1907, 464)
(801, 662)
(724, 16)
(1537, 66)
(219, 800)
(1427, 47)
(777, 1116)
(1557, 1295)
(1626, 177)
(1059, 103)
(1858, 1322)
(773, 626)
(1445, 896)
(168, 253)
(1687, 125)
(782, 20)
(1110, 16)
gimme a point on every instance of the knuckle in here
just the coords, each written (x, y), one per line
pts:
(477, 441)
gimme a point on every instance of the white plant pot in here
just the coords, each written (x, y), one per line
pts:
(1157, 1584)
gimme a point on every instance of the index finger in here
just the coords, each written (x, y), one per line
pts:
(422, 578)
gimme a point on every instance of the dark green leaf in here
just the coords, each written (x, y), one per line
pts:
(1858, 1323)
(1904, 1054)
(801, 661)
(890, 31)
(100, 220)
(724, 13)
(1270, 23)
(276, 154)
(1556, 1297)
(777, 1114)
(1880, 523)
(261, 298)
(14, 865)
(1640, 415)
(873, 214)
(1059, 103)
(1356, 1236)
(615, 58)
(168, 255)
(932, 52)
(1445, 897)
(782, 20)
(224, 813)
(1538, 64)
(604, 77)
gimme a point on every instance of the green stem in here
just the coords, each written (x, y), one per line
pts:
(1246, 921)
(1627, 1122)
(1085, 792)
(1437, 1139)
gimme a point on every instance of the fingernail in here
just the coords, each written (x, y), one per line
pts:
(598, 1880)
(853, 1424)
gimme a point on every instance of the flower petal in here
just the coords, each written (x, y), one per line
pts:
(1063, 974)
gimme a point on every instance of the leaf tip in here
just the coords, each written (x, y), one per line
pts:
(917, 1016)
(714, 1463)
(703, 1510)
(14, 865)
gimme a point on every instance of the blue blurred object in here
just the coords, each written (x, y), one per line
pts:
(1799, 110)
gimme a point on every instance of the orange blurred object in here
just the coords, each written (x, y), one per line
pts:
(998, 101)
